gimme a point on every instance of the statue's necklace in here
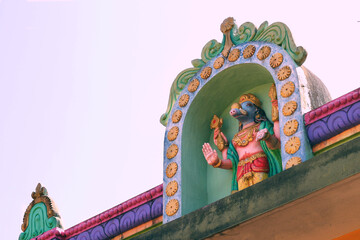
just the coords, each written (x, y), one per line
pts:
(246, 135)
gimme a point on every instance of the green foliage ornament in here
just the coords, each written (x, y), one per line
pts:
(39, 222)
(210, 50)
(40, 216)
(277, 33)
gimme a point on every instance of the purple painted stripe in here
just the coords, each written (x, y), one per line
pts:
(124, 222)
(134, 212)
(334, 123)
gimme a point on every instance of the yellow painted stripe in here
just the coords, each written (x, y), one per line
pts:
(139, 228)
(341, 136)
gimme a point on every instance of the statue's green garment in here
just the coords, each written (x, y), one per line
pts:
(273, 156)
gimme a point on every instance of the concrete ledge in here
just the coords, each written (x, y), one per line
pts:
(317, 173)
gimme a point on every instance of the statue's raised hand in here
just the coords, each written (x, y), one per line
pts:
(210, 154)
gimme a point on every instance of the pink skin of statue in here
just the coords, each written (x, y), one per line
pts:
(253, 147)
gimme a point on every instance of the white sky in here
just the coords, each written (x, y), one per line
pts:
(83, 85)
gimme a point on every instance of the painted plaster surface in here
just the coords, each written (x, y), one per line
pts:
(113, 222)
(123, 222)
(137, 230)
(190, 133)
(332, 106)
(338, 139)
(38, 222)
(277, 33)
(334, 123)
(307, 178)
(40, 216)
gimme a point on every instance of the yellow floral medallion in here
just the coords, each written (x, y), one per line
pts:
(194, 84)
(289, 108)
(172, 207)
(287, 89)
(219, 62)
(172, 151)
(292, 162)
(263, 53)
(276, 60)
(291, 127)
(206, 72)
(171, 169)
(176, 116)
(171, 188)
(293, 145)
(249, 51)
(234, 55)
(173, 133)
(183, 100)
(284, 73)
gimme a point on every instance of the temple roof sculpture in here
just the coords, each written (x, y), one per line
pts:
(293, 151)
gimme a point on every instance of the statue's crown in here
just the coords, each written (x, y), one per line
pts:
(250, 97)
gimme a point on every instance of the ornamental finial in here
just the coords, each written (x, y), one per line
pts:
(39, 191)
(225, 28)
(40, 216)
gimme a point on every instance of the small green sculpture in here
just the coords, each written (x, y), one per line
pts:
(40, 216)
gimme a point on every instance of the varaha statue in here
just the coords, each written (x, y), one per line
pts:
(254, 152)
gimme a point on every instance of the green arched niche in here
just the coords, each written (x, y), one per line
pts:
(202, 184)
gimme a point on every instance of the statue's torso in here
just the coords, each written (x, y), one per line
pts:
(245, 141)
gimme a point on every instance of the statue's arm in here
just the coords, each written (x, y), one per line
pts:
(226, 164)
(272, 141)
(213, 159)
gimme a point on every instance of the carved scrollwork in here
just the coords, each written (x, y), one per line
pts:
(178, 85)
(277, 33)
(210, 50)
(41, 215)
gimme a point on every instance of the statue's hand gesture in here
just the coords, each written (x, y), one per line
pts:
(216, 134)
(263, 134)
(210, 154)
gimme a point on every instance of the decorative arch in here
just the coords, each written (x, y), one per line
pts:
(230, 71)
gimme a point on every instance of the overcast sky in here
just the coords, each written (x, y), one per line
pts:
(83, 84)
